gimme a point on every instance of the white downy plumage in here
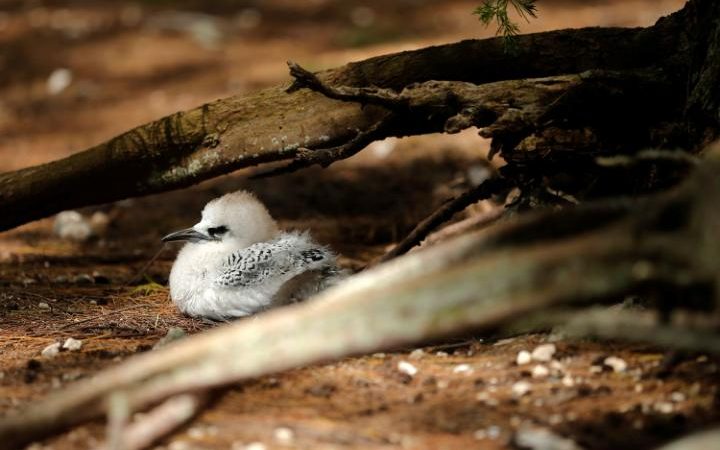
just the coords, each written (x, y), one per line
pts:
(237, 262)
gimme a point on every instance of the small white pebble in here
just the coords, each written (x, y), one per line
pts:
(72, 225)
(43, 305)
(284, 435)
(494, 431)
(638, 388)
(51, 350)
(463, 368)
(596, 369)
(407, 368)
(442, 384)
(417, 353)
(480, 434)
(617, 364)
(568, 381)
(196, 432)
(677, 397)
(441, 354)
(523, 357)
(179, 445)
(58, 80)
(664, 407)
(72, 344)
(540, 371)
(521, 388)
(544, 352)
(378, 355)
(485, 398)
(255, 446)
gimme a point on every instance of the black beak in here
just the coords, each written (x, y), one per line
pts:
(188, 234)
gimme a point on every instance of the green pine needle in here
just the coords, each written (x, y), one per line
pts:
(497, 11)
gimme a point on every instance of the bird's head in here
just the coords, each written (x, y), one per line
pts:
(238, 219)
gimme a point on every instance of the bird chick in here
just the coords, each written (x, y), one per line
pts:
(237, 262)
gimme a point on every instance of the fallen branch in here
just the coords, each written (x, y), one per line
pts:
(242, 131)
(153, 425)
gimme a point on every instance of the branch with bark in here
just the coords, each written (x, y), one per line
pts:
(639, 76)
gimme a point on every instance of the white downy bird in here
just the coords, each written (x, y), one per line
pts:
(237, 262)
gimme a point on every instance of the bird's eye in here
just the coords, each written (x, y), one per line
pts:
(217, 231)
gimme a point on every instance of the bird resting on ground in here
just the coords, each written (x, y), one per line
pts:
(238, 262)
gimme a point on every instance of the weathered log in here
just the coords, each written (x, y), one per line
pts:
(219, 137)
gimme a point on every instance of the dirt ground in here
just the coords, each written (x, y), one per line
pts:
(75, 73)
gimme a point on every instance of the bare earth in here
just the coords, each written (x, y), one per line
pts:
(131, 63)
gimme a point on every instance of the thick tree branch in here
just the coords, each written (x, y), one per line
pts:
(242, 131)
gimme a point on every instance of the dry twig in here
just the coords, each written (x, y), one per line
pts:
(483, 191)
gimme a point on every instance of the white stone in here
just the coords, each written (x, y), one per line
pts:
(417, 353)
(521, 388)
(540, 371)
(407, 368)
(284, 435)
(72, 344)
(523, 357)
(255, 446)
(544, 352)
(664, 407)
(568, 381)
(617, 364)
(678, 397)
(463, 368)
(59, 80)
(51, 350)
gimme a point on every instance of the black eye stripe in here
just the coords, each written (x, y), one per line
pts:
(214, 231)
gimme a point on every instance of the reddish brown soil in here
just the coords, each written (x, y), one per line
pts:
(128, 70)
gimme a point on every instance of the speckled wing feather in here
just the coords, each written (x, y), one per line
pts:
(258, 263)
